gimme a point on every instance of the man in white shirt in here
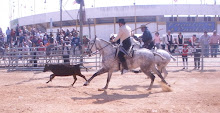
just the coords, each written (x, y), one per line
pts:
(124, 36)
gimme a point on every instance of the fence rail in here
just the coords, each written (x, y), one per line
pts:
(32, 59)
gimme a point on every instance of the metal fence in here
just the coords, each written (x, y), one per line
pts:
(208, 60)
(34, 59)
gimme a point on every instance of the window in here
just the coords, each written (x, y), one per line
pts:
(191, 19)
(207, 19)
(173, 19)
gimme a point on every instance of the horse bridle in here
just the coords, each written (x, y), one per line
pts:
(90, 49)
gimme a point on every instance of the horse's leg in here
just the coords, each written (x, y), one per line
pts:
(165, 72)
(108, 80)
(152, 77)
(159, 74)
(101, 71)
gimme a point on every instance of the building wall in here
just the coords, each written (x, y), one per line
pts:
(123, 11)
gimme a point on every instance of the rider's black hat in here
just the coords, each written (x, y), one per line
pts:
(121, 21)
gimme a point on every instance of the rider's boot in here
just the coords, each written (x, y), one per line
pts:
(125, 67)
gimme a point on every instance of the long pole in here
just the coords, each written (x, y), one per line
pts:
(61, 1)
(81, 27)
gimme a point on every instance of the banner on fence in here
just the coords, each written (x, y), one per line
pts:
(191, 26)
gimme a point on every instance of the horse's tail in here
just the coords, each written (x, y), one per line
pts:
(174, 59)
(163, 58)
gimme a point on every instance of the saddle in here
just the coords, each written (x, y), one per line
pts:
(128, 54)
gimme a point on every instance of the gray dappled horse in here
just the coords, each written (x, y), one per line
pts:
(142, 58)
(161, 63)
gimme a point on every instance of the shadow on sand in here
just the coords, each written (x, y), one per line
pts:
(25, 81)
(104, 97)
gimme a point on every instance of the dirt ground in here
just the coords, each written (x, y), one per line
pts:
(192, 92)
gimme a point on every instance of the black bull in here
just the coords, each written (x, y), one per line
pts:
(64, 70)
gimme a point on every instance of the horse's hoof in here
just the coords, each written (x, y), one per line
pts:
(103, 89)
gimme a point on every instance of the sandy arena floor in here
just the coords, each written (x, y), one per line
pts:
(193, 92)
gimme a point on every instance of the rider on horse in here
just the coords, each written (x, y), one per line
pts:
(124, 36)
(147, 37)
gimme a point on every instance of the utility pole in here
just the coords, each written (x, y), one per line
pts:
(81, 18)
(61, 1)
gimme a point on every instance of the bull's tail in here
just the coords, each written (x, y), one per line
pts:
(174, 59)
(163, 58)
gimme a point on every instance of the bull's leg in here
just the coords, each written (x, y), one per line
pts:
(74, 77)
(82, 76)
(101, 71)
(51, 77)
(108, 80)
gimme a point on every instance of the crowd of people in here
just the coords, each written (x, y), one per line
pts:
(33, 42)
(21, 37)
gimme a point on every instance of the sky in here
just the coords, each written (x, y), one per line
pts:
(12, 9)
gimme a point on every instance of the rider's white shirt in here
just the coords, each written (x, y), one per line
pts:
(124, 33)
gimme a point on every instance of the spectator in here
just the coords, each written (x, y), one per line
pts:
(197, 54)
(157, 40)
(17, 31)
(85, 41)
(58, 37)
(8, 33)
(65, 52)
(75, 42)
(185, 57)
(204, 42)
(180, 39)
(169, 41)
(34, 55)
(214, 42)
(194, 41)
(42, 49)
(25, 48)
(45, 40)
(13, 36)
(163, 45)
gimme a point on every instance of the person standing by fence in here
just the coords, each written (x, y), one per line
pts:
(197, 54)
(169, 41)
(214, 42)
(157, 40)
(8, 33)
(185, 57)
(204, 41)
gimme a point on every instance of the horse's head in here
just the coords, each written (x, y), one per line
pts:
(97, 45)
(92, 47)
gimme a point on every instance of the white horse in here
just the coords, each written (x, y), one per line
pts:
(162, 63)
(142, 58)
